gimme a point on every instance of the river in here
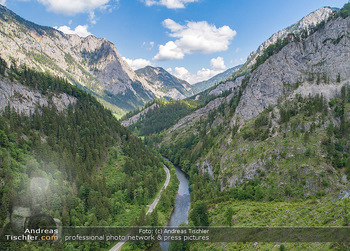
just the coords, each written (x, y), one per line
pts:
(182, 204)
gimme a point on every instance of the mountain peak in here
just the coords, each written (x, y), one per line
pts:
(317, 64)
(163, 80)
(8, 15)
(311, 20)
(92, 63)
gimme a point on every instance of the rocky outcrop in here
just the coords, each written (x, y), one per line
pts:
(26, 100)
(164, 84)
(91, 63)
(321, 58)
(140, 116)
(227, 86)
(306, 23)
(195, 116)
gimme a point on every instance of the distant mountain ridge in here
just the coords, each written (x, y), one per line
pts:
(202, 86)
(234, 81)
(91, 63)
(160, 79)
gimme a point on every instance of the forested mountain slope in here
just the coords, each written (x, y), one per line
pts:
(91, 170)
(232, 78)
(281, 135)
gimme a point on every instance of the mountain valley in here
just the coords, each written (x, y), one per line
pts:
(278, 134)
(264, 144)
(91, 63)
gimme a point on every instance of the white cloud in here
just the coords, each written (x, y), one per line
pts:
(149, 46)
(182, 73)
(217, 63)
(92, 17)
(217, 66)
(169, 51)
(170, 4)
(172, 25)
(137, 63)
(72, 7)
(205, 74)
(194, 37)
(3, 2)
(80, 30)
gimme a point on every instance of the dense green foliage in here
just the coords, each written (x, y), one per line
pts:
(3, 66)
(165, 115)
(345, 11)
(296, 151)
(199, 214)
(306, 142)
(99, 173)
(318, 213)
(269, 51)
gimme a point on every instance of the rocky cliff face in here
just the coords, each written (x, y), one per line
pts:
(166, 85)
(305, 24)
(322, 58)
(139, 116)
(194, 117)
(26, 100)
(91, 63)
(226, 86)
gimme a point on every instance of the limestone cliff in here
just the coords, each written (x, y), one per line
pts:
(321, 58)
(91, 63)
(306, 24)
(25, 100)
(163, 81)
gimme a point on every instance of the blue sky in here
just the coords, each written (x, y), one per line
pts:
(193, 39)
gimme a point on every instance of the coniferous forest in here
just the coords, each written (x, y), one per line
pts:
(99, 174)
(269, 147)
